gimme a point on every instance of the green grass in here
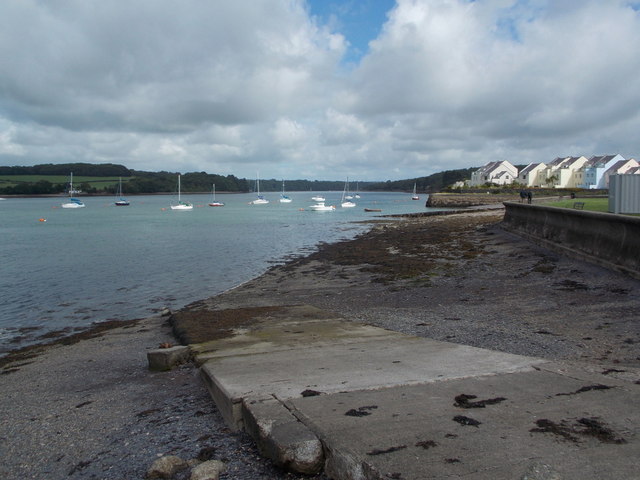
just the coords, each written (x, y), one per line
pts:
(591, 204)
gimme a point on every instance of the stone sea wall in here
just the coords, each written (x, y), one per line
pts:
(458, 200)
(607, 239)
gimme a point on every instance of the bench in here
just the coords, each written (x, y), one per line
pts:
(578, 205)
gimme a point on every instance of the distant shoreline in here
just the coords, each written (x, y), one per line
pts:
(86, 195)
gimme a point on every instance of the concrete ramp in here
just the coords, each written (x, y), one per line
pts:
(361, 402)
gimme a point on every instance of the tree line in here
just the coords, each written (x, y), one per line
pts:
(143, 182)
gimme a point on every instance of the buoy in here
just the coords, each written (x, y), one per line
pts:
(42, 219)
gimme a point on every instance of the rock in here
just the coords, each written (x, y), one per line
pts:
(166, 467)
(165, 312)
(281, 437)
(540, 471)
(209, 470)
(167, 358)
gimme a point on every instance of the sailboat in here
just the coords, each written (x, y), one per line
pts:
(181, 205)
(73, 202)
(121, 202)
(284, 198)
(415, 195)
(213, 202)
(346, 198)
(260, 200)
(357, 195)
(348, 195)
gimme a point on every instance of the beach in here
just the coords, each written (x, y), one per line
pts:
(92, 409)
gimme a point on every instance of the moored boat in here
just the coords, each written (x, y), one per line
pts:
(73, 202)
(121, 202)
(260, 200)
(181, 205)
(213, 202)
(321, 207)
(415, 195)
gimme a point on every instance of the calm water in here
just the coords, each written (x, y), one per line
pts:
(106, 262)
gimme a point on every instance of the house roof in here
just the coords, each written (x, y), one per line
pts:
(599, 160)
(616, 166)
(491, 167)
(570, 161)
(532, 166)
(557, 161)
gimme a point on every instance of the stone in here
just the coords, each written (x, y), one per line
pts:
(209, 470)
(163, 359)
(540, 471)
(166, 467)
(281, 437)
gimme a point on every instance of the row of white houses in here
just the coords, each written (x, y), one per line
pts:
(562, 172)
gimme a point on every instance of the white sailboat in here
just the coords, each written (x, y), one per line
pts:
(348, 195)
(321, 207)
(121, 201)
(415, 195)
(260, 200)
(73, 202)
(357, 195)
(346, 198)
(284, 198)
(213, 202)
(181, 205)
(318, 198)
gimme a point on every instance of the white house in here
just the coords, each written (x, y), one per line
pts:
(499, 173)
(619, 168)
(633, 170)
(592, 174)
(561, 172)
(529, 175)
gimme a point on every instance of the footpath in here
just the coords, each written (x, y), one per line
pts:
(319, 393)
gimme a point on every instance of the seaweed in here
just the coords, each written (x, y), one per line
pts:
(464, 401)
(377, 451)
(588, 388)
(462, 420)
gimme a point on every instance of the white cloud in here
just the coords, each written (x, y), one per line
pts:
(233, 87)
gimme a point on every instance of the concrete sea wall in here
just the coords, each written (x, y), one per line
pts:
(607, 239)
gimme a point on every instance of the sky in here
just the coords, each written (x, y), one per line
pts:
(317, 89)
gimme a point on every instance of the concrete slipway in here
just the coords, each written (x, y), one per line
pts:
(361, 402)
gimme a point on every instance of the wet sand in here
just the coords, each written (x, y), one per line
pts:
(91, 409)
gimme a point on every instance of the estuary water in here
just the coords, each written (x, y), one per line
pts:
(67, 268)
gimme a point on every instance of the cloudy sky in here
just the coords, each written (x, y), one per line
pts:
(317, 89)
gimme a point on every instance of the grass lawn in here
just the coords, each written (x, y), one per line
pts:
(591, 204)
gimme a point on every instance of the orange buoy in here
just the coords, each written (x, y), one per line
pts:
(42, 219)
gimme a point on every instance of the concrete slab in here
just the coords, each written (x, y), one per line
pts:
(383, 404)
(411, 432)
